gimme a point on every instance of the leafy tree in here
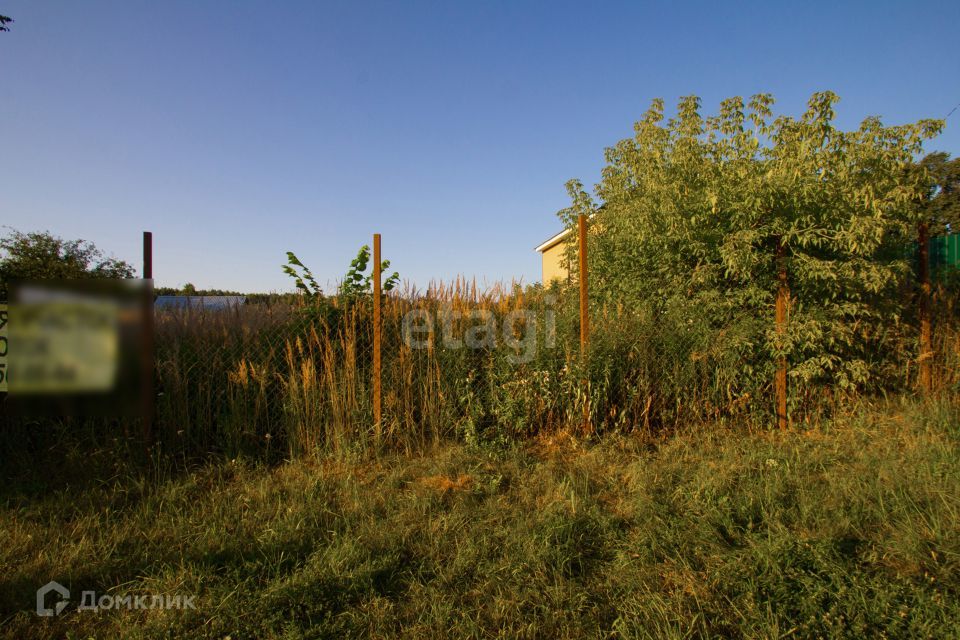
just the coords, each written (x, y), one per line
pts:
(302, 276)
(4, 21)
(43, 256)
(940, 207)
(696, 211)
(356, 282)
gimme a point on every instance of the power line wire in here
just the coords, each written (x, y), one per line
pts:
(952, 110)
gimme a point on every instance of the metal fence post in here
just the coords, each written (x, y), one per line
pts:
(147, 368)
(584, 318)
(783, 296)
(926, 340)
(376, 336)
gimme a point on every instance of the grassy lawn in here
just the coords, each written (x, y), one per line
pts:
(851, 530)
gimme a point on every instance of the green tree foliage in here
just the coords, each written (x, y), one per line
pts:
(695, 208)
(302, 276)
(357, 282)
(940, 207)
(43, 256)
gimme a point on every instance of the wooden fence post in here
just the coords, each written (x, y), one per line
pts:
(926, 340)
(783, 297)
(376, 336)
(584, 318)
(147, 369)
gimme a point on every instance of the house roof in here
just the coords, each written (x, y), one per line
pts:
(552, 241)
(215, 303)
(557, 238)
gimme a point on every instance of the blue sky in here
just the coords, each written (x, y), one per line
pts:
(236, 131)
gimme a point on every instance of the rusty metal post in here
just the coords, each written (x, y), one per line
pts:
(147, 369)
(783, 298)
(926, 340)
(376, 335)
(584, 317)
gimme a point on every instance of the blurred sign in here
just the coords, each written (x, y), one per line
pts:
(64, 344)
(75, 348)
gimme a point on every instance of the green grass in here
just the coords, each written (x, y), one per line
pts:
(848, 530)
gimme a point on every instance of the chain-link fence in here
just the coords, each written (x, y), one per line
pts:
(476, 365)
(284, 377)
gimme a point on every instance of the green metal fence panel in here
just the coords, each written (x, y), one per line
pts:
(944, 255)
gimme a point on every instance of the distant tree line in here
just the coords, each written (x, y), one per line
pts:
(41, 255)
(190, 290)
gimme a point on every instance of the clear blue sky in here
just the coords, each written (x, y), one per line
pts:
(238, 130)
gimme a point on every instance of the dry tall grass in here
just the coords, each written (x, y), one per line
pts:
(289, 381)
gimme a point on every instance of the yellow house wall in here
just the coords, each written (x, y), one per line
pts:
(552, 258)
